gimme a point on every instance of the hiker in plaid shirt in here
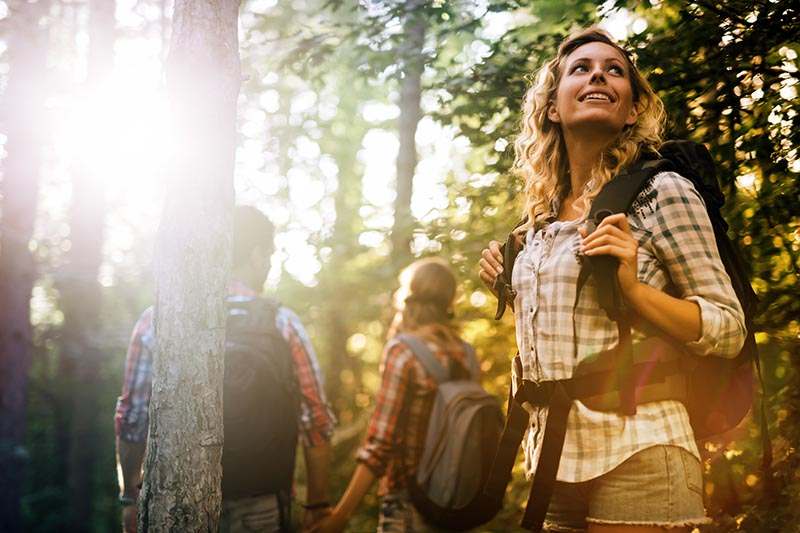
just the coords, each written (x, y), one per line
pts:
(590, 114)
(396, 432)
(252, 249)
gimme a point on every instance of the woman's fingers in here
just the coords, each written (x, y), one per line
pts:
(615, 250)
(493, 256)
(606, 230)
(490, 264)
(599, 245)
(497, 252)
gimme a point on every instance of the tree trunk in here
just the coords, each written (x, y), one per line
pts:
(410, 113)
(27, 46)
(183, 471)
(344, 243)
(80, 290)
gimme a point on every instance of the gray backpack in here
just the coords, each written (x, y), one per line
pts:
(460, 443)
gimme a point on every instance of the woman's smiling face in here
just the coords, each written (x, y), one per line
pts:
(595, 91)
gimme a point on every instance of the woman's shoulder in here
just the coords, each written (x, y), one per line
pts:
(671, 184)
(665, 189)
(397, 349)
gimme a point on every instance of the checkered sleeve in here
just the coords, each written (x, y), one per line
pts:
(396, 368)
(683, 239)
(316, 419)
(131, 416)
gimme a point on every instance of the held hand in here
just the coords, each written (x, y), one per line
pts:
(333, 523)
(613, 237)
(314, 517)
(491, 264)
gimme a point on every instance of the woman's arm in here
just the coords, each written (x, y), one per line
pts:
(707, 316)
(360, 483)
(382, 434)
(678, 318)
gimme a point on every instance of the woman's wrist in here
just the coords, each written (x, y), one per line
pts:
(635, 294)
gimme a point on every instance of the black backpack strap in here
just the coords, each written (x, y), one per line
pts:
(617, 196)
(544, 479)
(503, 282)
(510, 440)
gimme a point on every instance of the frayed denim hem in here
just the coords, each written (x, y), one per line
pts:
(552, 527)
(692, 522)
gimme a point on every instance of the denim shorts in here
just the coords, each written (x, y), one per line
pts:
(660, 486)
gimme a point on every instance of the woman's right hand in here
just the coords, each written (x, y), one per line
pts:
(491, 265)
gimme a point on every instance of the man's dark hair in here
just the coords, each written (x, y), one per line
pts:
(251, 228)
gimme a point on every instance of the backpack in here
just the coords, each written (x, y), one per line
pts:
(717, 392)
(260, 402)
(462, 435)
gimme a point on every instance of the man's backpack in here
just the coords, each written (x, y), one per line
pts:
(717, 392)
(462, 435)
(260, 403)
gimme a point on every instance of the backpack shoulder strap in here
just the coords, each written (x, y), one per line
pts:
(502, 284)
(471, 361)
(425, 356)
(617, 196)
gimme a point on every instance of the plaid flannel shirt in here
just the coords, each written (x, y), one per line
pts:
(396, 433)
(315, 420)
(677, 254)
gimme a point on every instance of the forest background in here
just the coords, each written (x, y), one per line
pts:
(371, 133)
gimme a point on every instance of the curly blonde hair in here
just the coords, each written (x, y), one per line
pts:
(424, 302)
(541, 155)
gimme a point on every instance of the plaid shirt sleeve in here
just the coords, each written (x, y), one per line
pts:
(316, 418)
(683, 239)
(396, 368)
(131, 416)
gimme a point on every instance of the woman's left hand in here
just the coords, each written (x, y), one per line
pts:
(613, 237)
(333, 523)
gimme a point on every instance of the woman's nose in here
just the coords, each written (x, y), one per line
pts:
(598, 76)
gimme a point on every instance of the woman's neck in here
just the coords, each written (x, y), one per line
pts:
(583, 152)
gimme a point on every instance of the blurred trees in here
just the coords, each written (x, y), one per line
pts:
(78, 285)
(323, 94)
(23, 107)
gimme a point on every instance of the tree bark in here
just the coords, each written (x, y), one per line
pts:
(410, 113)
(181, 489)
(24, 102)
(80, 290)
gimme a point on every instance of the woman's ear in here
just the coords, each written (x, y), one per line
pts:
(633, 116)
(552, 112)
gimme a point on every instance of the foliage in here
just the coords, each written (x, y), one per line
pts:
(727, 72)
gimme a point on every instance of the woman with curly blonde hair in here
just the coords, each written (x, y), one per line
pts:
(589, 115)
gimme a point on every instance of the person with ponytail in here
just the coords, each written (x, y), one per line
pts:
(396, 432)
(589, 115)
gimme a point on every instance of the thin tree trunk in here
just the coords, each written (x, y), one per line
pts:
(27, 47)
(182, 471)
(80, 290)
(344, 240)
(410, 113)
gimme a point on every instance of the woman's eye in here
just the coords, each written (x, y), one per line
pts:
(616, 70)
(580, 67)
